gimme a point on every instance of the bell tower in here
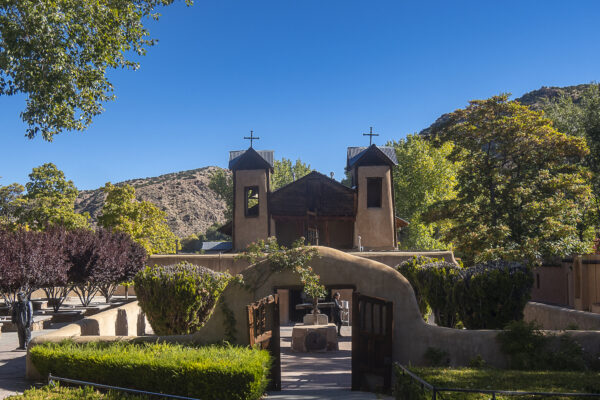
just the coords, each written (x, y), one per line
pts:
(251, 177)
(371, 169)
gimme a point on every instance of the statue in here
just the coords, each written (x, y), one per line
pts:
(22, 316)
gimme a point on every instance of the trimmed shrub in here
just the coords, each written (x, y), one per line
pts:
(210, 372)
(490, 295)
(178, 299)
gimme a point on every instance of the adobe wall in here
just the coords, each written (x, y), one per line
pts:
(375, 226)
(216, 262)
(560, 318)
(393, 258)
(250, 229)
(553, 284)
(412, 336)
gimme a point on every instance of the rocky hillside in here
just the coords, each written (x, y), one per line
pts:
(534, 99)
(190, 205)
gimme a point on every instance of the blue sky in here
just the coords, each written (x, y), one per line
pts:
(308, 77)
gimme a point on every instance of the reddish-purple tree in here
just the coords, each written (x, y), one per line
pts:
(100, 261)
(55, 281)
(29, 261)
(82, 255)
(120, 259)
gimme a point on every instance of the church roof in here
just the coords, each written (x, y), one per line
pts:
(314, 192)
(250, 159)
(372, 155)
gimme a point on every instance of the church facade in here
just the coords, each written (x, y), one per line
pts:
(316, 207)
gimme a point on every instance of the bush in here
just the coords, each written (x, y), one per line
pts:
(435, 357)
(530, 349)
(409, 269)
(490, 295)
(178, 299)
(433, 282)
(68, 393)
(211, 372)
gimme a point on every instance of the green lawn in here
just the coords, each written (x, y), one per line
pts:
(66, 393)
(471, 378)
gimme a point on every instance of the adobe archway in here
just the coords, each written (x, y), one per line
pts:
(412, 336)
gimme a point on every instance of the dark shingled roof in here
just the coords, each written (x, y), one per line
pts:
(356, 153)
(236, 156)
(217, 246)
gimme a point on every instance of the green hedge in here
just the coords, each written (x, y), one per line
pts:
(179, 299)
(490, 295)
(210, 372)
(484, 296)
(487, 378)
(70, 393)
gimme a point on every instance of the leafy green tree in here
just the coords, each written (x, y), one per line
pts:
(582, 119)
(423, 176)
(142, 220)
(57, 53)
(221, 182)
(49, 201)
(284, 172)
(8, 204)
(521, 188)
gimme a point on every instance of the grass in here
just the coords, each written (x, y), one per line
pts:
(68, 393)
(496, 379)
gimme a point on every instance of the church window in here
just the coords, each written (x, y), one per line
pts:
(251, 195)
(374, 192)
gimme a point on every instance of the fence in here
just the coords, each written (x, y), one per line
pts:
(437, 391)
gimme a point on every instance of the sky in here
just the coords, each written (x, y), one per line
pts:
(308, 77)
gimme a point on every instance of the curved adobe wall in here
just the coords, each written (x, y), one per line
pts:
(412, 336)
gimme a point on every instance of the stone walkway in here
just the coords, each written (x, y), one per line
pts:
(308, 376)
(12, 364)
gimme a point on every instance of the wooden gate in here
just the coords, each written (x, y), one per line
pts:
(372, 333)
(263, 331)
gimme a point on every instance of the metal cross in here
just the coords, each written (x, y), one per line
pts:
(251, 138)
(370, 135)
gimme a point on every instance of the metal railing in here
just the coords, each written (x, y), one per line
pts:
(439, 390)
(52, 379)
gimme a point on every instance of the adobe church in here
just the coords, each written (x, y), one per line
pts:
(316, 207)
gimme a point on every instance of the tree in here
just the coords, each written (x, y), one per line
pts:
(521, 186)
(8, 204)
(284, 172)
(221, 182)
(142, 220)
(423, 176)
(28, 261)
(119, 259)
(49, 201)
(582, 119)
(57, 53)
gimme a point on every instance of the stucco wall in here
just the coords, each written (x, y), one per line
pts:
(412, 336)
(393, 258)
(560, 318)
(553, 284)
(375, 226)
(216, 262)
(250, 229)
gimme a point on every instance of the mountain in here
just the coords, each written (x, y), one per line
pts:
(534, 99)
(190, 205)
